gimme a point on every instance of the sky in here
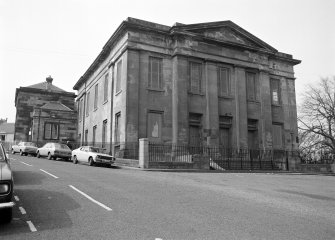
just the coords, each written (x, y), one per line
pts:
(62, 38)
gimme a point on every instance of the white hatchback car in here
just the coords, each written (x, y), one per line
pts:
(91, 155)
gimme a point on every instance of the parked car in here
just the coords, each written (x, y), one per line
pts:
(6, 187)
(24, 148)
(91, 155)
(54, 150)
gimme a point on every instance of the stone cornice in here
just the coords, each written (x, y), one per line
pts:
(41, 91)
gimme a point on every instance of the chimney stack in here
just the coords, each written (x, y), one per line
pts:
(49, 82)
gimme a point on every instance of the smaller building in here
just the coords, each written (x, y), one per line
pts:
(6, 131)
(44, 113)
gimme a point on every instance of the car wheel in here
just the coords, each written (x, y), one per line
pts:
(38, 155)
(7, 215)
(90, 161)
(75, 160)
(21, 153)
(13, 152)
(49, 156)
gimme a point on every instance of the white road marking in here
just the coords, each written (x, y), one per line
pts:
(16, 198)
(22, 210)
(31, 226)
(158, 238)
(26, 164)
(49, 173)
(93, 200)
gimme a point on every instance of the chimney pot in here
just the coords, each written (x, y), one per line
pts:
(49, 79)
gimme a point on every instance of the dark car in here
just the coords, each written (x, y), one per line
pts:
(6, 187)
(54, 150)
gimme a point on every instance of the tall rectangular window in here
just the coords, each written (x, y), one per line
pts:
(104, 133)
(51, 131)
(251, 86)
(94, 135)
(96, 97)
(87, 103)
(277, 136)
(155, 73)
(154, 126)
(106, 87)
(275, 92)
(81, 108)
(118, 76)
(224, 82)
(86, 137)
(195, 77)
(117, 127)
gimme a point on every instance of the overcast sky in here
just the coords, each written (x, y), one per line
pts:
(61, 38)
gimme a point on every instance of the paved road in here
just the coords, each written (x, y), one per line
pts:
(60, 200)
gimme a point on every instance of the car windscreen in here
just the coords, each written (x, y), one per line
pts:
(30, 144)
(62, 146)
(94, 150)
(2, 154)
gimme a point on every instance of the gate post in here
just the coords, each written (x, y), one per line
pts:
(143, 153)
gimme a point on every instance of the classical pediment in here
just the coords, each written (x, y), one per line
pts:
(228, 32)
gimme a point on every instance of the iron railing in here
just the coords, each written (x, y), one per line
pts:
(222, 158)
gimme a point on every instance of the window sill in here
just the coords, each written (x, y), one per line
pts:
(156, 89)
(105, 102)
(199, 94)
(276, 105)
(95, 109)
(226, 97)
(119, 92)
(253, 101)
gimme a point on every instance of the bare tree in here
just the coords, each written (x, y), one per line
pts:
(317, 117)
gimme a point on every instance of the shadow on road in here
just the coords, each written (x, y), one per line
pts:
(28, 178)
(46, 209)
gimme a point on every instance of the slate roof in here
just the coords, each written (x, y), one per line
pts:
(43, 86)
(56, 106)
(7, 128)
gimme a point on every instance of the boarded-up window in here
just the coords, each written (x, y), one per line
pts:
(224, 82)
(154, 126)
(195, 77)
(106, 88)
(275, 91)
(277, 136)
(195, 127)
(251, 86)
(155, 73)
(51, 131)
(118, 76)
(225, 124)
(253, 134)
(96, 97)
(104, 133)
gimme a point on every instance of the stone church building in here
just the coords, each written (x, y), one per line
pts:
(45, 113)
(208, 83)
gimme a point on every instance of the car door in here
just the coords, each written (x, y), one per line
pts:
(17, 147)
(80, 154)
(44, 150)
